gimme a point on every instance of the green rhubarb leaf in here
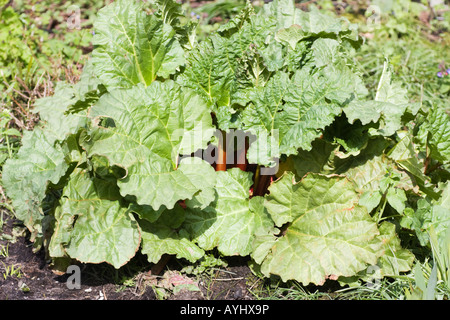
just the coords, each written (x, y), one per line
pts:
(369, 170)
(284, 12)
(158, 240)
(149, 128)
(368, 174)
(265, 118)
(64, 214)
(103, 230)
(328, 235)
(320, 159)
(163, 237)
(211, 80)
(224, 68)
(289, 114)
(395, 259)
(430, 213)
(52, 110)
(438, 128)
(27, 176)
(169, 11)
(236, 23)
(202, 176)
(387, 109)
(65, 112)
(325, 51)
(291, 35)
(388, 115)
(133, 47)
(405, 155)
(376, 176)
(294, 25)
(232, 220)
(390, 91)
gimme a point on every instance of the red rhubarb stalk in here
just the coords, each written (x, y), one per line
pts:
(221, 164)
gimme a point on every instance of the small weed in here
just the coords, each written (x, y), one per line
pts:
(11, 271)
(9, 137)
(209, 264)
(4, 251)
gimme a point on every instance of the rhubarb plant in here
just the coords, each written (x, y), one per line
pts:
(260, 141)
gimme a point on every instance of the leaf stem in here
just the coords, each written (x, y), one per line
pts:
(159, 267)
(241, 157)
(380, 211)
(261, 184)
(221, 164)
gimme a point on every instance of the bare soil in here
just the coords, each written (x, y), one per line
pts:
(32, 278)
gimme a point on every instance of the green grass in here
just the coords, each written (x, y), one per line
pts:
(4, 251)
(416, 50)
(11, 271)
(404, 287)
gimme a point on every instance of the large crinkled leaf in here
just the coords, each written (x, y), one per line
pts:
(377, 178)
(266, 117)
(232, 220)
(79, 186)
(52, 110)
(405, 155)
(236, 23)
(203, 176)
(241, 50)
(133, 47)
(151, 127)
(320, 159)
(369, 170)
(318, 98)
(295, 25)
(437, 128)
(312, 23)
(430, 214)
(26, 177)
(169, 11)
(91, 225)
(388, 115)
(328, 234)
(158, 240)
(326, 158)
(203, 73)
(395, 259)
(294, 111)
(390, 91)
(164, 237)
(64, 113)
(325, 51)
(223, 68)
(387, 109)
